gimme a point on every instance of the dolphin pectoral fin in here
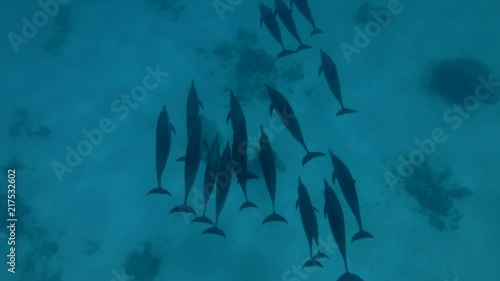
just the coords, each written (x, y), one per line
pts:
(312, 262)
(334, 176)
(173, 128)
(361, 235)
(214, 230)
(297, 204)
(200, 104)
(316, 210)
(274, 217)
(228, 116)
(345, 111)
(320, 70)
(271, 108)
(159, 190)
(349, 277)
(311, 155)
(181, 159)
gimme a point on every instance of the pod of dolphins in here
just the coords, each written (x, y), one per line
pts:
(233, 161)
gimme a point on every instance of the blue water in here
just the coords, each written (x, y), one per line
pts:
(70, 75)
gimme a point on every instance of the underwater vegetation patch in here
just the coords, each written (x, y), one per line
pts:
(456, 79)
(436, 193)
(365, 12)
(22, 211)
(251, 67)
(91, 247)
(62, 29)
(13, 163)
(23, 125)
(170, 8)
(39, 263)
(142, 266)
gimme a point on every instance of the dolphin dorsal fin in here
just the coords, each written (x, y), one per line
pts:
(173, 128)
(200, 104)
(320, 70)
(228, 116)
(297, 204)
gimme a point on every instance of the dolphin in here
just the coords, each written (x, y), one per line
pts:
(193, 108)
(348, 188)
(164, 131)
(304, 9)
(211, 169)
(269, 19)
(289, 119)
(191, 166)
(268, 162)
(332, 79)
(333, 211)
(310, 224)
(239, 148)
(285, 15)
(223, 184)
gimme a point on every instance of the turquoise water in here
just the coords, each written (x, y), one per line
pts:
(84, 83)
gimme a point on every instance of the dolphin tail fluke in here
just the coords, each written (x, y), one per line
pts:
(311, 155)
(274, 217)
(214, 230)
(203, 219)
(345, 111)
(303, 47)
(159, 190)
(311, 263)
(321, 255)
(184, 208)
(247, 204)
(361, 235)
(316, 31)
(285, 53)
(349, 277)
